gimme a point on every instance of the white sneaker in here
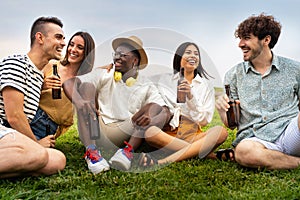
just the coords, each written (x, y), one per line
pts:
(96, 163)
(122, 158)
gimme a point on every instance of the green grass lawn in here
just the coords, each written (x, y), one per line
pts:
(191, 179)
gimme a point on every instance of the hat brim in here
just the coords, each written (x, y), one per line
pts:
(144, 59)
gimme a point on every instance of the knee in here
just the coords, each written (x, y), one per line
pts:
(245, 153)
(223, 134)
(152, 136)
(56, 162)
(151, 132)
(61, 161)
(220, 133)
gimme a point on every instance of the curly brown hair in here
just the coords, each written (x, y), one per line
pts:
(260, 26)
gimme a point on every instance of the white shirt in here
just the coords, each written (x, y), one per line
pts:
(117, 101)
(200, 108)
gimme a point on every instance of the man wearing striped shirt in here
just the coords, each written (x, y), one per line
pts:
(21, 80)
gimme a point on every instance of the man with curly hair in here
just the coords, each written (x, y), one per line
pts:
(267, 86)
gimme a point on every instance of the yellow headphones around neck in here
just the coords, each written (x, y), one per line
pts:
(129, 82)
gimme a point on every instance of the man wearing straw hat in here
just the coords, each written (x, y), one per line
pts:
(128, 104)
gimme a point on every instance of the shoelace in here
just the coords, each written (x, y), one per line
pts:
(92, 154)
(128, 151)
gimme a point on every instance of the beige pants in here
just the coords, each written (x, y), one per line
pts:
(113, 135)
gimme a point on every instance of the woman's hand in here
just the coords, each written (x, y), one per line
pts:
(185, 87)
(51, 82)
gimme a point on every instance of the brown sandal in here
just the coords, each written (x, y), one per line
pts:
(228, 153)
(146, 160)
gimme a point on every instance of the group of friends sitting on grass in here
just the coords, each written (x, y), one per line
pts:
(120, 111)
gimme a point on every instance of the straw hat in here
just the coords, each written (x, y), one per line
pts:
(137, 44)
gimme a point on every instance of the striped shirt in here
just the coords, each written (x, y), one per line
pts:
(268, 102)
(19, 72)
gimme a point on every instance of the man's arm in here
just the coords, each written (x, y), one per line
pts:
(68, 87)
(71, 87)
(80, 93)
(13, 105)
(222, 107)
(151, 114)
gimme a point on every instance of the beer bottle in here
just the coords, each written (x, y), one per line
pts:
(94, 127)
(181, 96)
(56, 92)
(233, 111)
(92, 123)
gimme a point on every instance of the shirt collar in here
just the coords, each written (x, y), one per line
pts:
(275, 63)
(197, 78)
(27, 58)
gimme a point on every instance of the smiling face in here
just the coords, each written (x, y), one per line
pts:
(190, 58)
(251, 46)
(76, 49)
(53, 41)
(124, 59)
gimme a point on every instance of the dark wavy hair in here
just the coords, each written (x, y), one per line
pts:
(178, 56)
(39, 26)
(260, 26)
(89, 53)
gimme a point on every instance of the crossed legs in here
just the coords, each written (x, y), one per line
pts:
(202, 146)
(254, 154)
(257, 153)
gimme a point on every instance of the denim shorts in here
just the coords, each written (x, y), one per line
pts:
(39, 124)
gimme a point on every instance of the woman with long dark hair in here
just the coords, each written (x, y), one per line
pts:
(190, 98)
(55, 116)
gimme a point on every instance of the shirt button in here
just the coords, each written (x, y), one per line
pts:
(265, 118)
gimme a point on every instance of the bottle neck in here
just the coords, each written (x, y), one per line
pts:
(55, 70)
(228, 93)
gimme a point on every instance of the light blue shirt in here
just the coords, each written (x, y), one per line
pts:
(269, 101)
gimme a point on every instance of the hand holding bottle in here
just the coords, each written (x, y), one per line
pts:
(56, 91)
(92, 121)
(185, 88)
(233, 111)
(181, 95)
(51, 82)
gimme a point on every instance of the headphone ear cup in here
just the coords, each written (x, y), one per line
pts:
(130, 81)
(117, 76)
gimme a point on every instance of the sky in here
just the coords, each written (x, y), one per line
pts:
(162, 25)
